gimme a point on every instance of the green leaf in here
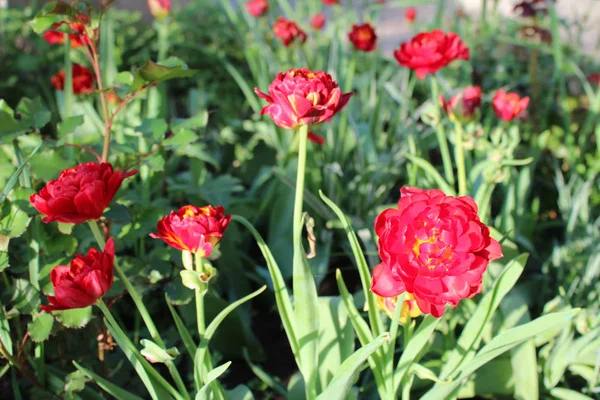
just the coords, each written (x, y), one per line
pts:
(198, 121)
(107, 386)
(212, 328)
(65, 228)
(181, 138)
(342, 381)
(39, 329)
(471, 336)
(3, 261)
(124, 78)
(155, 354)
(15, 177)
(240, 392)
(184, 334)
(155, 73)
(177, 294)
(212, 375)
(69, 125)
(192, 279)
(568, 394)
(5, 332)
(153, 128)
(15, 223)
(25, 298)
(76, 318)
(75, 381)
(432, 172)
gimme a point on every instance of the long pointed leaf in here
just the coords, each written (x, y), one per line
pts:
(188, 342)
(108, 387)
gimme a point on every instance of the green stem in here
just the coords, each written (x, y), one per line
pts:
(459, 155)
(389, 355)
(440, 133)
(200, 299)
(147, 367)
(141, 308)
(343, 127)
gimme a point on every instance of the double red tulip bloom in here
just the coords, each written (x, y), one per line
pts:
(434, 247)
(463, 105)
(79, 194)
(509, 106)
(194, 229)
(303, 97)
(363, 37)
(288, 31)
(318, 21)
(159, 9)
(410, 14)
(257, 8)
(429, 52)
(86, 280)
(78, 38)
(83, 80)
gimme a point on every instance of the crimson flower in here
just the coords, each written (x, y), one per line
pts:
(257, 8)
(288, 31)
(318, 21)
(194, 229)
(428, 52)
(316, 138)
(84, 281)
(83, 80)
(160, 9)
(330, 2)
(509, 106)
(79, 194)
(303, 97)
(78, 37)
(363, 37)
(463, 105)
(410, 14)
(434, 247)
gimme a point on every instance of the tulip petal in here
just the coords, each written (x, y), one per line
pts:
(384, 284)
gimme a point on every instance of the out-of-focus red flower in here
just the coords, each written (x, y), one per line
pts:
(318, 21)
(363, 37)
(303, 97)
(509, 106)
(288, 31)
(329, 2)
(594, 78)
(83, 80)
(462, 106)
(429, 52)
(78, 37)
(316, 138)
(410, 14)
(79, 194)
(531, 8)
(86, 280)
(194, 229)
(409, 307)
(434, 247)
(159, 9)
(257, 8)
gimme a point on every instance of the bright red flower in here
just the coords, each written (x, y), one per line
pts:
(410, 14)
(434, 247)
(193, 229)
(509, 106)
(79, 194)
(316, 138)
(288, 31)
(83, 80)
(330, 2)
(86, 280)
(159, 9)
(363, 37)
(78, 37)
(429, 52)
(257, 8)
(318, 21)
(594, 78)
(463, 105)
(303, 97)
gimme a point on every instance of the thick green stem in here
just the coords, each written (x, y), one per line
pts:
(441, 134)
(141, 308)
(200, 299)
(389, 354)
(459, 155)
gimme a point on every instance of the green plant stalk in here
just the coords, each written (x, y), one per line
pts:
(440, 132)
(459, 155)
(343, 126)
(199, 261)
(391, 348)
(162, 381)
(141, 309)
(305, 291)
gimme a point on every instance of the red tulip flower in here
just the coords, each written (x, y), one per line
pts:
(509, 106)
(303, 97)
(434, 247)
(194, 229)
(78, 37)
(429, 52)
(410, 14)
(316, 138)
(86, 280)
(363, 37)
(159, 9)
(288, 31)
(257, 8)
(83, 80)
(79, 194)
(463, 105)
(594, 78)
(330, 2)
(318, 21)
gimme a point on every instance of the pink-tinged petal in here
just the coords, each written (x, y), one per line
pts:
(493, 250)
(263, 95)
(384, 284)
